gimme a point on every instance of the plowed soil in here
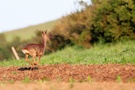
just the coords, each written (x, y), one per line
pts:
(66, 73)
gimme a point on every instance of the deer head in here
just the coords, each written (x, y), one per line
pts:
(45, 36)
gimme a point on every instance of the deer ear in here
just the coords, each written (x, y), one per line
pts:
(45, 31)
(42, 32)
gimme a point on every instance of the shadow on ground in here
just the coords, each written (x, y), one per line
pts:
(27, 68)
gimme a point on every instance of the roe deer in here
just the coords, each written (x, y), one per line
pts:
(35, 50)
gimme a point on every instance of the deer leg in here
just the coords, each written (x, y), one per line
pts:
(38, 59)
(34, 60)
(26, 59)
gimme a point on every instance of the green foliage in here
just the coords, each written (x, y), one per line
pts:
(89, 79)
(103, 21)
(45, 79)
(118, 78)
(99, 54)
(118, 53)
(73, 29)
(26, 80)
(113, 20)
(3, 48)
(71, 80)
(13, 62)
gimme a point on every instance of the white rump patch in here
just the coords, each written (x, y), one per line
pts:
(25, 51)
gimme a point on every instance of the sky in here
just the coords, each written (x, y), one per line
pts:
(15, 14)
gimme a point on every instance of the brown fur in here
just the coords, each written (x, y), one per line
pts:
(35, 50)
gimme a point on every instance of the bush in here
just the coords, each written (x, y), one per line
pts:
(73, 30)
(113, 20)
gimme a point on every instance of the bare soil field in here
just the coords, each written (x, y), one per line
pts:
(66, 76)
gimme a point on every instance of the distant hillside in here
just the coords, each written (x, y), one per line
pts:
(28, 32)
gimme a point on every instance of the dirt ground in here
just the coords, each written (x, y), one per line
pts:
(68, 86)
(66, 76)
